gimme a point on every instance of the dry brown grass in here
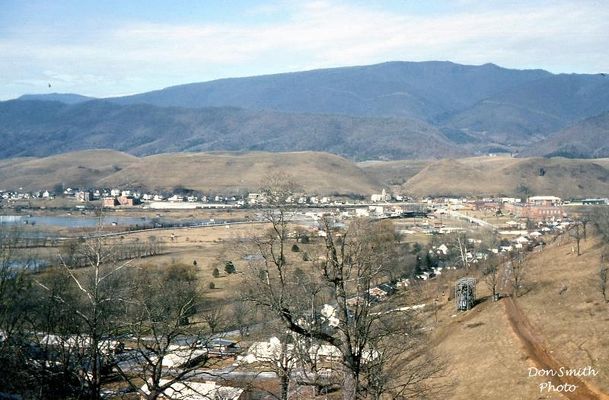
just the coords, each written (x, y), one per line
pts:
(315, 172)
(239, 172)
(486, 360)
(504, 175)
(83, 168)
(483, 358)
(567, 308)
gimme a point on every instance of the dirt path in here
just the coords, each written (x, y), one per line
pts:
(535, 349)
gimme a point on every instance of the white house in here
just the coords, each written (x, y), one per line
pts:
(180, 355)
(176, 198)
(442, 249)
(191, 390)
(375, 198)
(362, 212)
(329, 313)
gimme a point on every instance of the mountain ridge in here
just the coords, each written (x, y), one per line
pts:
(39, 128)
(351, 111)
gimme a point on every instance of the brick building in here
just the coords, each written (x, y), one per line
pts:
(537, 208)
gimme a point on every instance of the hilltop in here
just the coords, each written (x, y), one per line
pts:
(487, 176)
(232, 173)
(422, 90)
(315, 172)
(80, 169)
(207, 172)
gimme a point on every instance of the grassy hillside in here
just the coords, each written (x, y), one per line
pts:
(208, 172)
(566, 306)
(394, 172)
(233, 172)
(316, 172)
(566, 178)
(83, 168)
(560, 319)
(480, 176)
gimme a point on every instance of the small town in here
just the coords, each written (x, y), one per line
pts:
(304, 200)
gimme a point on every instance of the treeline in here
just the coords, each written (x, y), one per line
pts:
(72, 255)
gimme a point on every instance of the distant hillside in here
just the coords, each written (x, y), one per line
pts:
(208, 172)
(393, 110)
(39, 128)
(393, 173)
(233, 173)
(67, 98)
(531, 111)
(585, 139)
(512, 176)
(83, 168)
(397, 89)
(315, 172)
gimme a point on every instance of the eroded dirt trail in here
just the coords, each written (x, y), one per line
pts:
(534, 347)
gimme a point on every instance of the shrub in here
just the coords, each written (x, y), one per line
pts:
(229, 267)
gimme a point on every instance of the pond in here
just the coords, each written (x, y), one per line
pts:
(91, 222)
(72, 222)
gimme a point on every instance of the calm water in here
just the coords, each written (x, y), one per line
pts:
(72, 222)
(91, 222)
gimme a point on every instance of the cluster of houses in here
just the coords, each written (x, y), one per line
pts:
(194, 390)
(446, 257)
(21, 195)
(535, 207)
(184, 356)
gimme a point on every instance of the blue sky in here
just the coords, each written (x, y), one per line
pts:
(116, 47)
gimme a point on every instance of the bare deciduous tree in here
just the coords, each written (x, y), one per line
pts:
(160, 308)
(576, 231)
(354, 259)
(94, 298)
(215, 318)
(516, 267)
(15, 307)
(600, 218)
(462, 244)
(491, 277)
(604, 279)
(242, 316)
(101, 294)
